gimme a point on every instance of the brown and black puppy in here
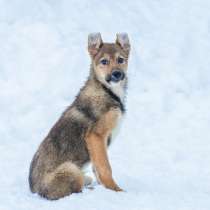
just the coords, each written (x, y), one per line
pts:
(84, 129)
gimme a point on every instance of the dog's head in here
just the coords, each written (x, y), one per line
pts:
(109, 60)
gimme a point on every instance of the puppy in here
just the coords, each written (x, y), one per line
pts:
(82, 133)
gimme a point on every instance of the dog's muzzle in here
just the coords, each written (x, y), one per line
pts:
(115, 76)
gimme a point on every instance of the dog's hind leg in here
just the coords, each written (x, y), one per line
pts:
(64, 180)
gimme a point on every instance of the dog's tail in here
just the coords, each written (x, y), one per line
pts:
(67, 178)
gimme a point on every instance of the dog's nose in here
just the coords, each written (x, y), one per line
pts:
(117, 75)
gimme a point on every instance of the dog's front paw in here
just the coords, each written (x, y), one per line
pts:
(118, 189)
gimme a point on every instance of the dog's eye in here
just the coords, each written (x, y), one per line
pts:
(104, 62)
(120, 60)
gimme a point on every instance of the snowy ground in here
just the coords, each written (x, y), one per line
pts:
(161, 156)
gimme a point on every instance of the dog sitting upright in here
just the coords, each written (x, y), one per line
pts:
(84, 130)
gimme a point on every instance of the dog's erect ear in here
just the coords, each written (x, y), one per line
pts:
(94, 43)
(123, 41)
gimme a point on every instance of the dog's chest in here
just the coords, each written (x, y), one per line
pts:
(107, 122)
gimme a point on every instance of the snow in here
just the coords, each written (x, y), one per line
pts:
(161, 155)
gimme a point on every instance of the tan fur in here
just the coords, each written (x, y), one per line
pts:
(98, 153)
(97, 147)
(107, 123)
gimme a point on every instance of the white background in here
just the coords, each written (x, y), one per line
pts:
(161, 156)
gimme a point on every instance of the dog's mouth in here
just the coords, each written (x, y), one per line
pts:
(115, 76)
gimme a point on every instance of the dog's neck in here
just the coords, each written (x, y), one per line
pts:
(114, 97)
(119, 89)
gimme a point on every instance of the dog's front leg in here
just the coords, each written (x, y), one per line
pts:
(98, 154)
